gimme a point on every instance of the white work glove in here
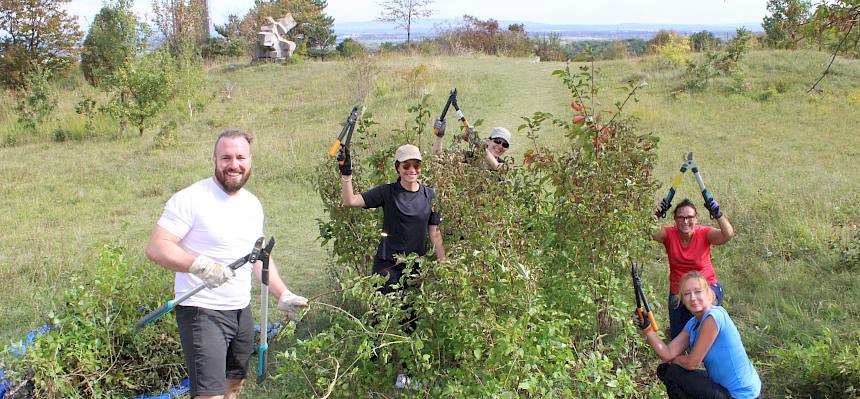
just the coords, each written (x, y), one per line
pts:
(292, 304)
(212, 273)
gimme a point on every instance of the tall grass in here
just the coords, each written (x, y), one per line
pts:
(781, 162)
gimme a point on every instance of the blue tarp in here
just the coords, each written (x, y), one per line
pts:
(174, 392)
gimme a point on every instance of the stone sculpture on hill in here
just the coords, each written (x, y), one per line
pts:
(272, 43)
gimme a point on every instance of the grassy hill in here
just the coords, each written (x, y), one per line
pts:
(780, 161)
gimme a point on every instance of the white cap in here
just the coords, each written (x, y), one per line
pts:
(501, 133)
(407, 152)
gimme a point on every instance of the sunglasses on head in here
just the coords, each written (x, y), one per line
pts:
(501, 142)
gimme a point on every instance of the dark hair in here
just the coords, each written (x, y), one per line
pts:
(685, 202)
(397, 166)
(233, 133)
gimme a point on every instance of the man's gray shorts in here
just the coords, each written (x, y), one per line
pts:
(217, 345)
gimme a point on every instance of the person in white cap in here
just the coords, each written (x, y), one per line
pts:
(495, 146)
(408, 218)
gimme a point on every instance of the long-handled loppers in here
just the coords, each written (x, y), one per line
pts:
(341, 144)
(643, 311)
(695, 168)
(263, 351)
(666, 202)
(452, 98)
(469, 133)
(171, 304)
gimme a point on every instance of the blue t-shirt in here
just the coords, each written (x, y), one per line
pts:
(727, 362)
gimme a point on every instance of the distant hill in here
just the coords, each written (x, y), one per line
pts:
(375, 31)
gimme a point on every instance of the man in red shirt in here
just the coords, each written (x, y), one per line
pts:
(688, 246)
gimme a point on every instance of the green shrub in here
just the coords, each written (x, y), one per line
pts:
(533, 300)
(92, 349)
(823, 369)
(549, 48)
(143, 88)
(38, 103)
(115, 37)
(350, 48)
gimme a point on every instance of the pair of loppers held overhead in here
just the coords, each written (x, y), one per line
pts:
(469, 135)
(643, 311)
(340, 147)
(666, 202)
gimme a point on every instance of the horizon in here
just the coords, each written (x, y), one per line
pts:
(547, 12)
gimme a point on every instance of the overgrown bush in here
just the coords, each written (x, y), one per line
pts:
(549, 48)
(38, 102)
(700, 73)
(823, 369)
(350, 48)
(486, 36)
(534, 298)
(92, 349)
(584, 50)
(142, 88)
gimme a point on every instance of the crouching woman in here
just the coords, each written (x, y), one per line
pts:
(714, 340)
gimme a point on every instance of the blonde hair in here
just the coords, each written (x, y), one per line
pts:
(703, 283)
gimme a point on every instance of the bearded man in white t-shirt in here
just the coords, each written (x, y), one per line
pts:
(203, 228)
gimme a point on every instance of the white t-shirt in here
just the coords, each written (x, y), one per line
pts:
(221, 226)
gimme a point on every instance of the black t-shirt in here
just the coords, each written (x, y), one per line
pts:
(406, 216)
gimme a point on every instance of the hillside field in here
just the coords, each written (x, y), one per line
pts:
(781, 162)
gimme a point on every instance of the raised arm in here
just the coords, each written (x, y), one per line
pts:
(490, 160)
(439, 130)
(659, 235)
(349, 198)
(723, 234)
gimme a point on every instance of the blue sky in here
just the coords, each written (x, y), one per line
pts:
(544, 11)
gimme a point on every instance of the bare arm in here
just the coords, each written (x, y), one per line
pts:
(722, 235)
(490, 160)
(276, 284)
(163, 249)
(668, 352)
(707, 335)
(349, 198)
(659, 235)
(437, 145)
(436, 239)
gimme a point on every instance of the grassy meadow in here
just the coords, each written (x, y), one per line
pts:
(782, 164)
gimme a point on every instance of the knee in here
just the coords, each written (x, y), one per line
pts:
(234, 386)
(668, 372)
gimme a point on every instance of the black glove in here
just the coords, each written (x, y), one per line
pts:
(439, 127)
(344, 162)
(713, 208)
(642, 322)
(664, 207)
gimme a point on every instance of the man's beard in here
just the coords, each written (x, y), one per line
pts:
(231, 187)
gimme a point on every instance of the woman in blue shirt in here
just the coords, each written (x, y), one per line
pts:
(714, 340)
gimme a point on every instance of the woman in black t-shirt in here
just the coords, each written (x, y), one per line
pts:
(408, 216)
